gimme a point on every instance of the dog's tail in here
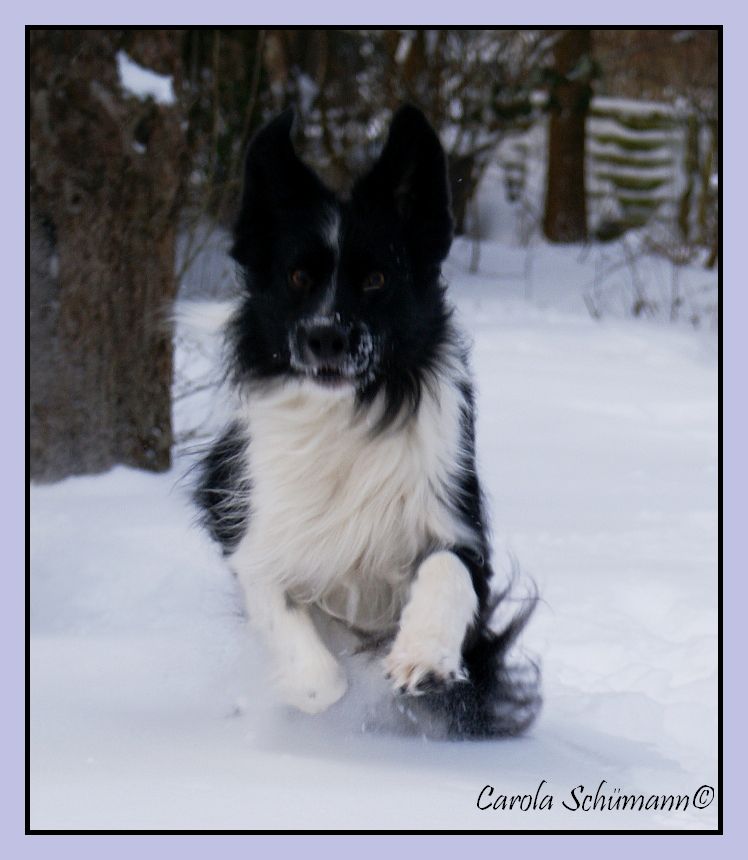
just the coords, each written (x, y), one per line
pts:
(500, 696)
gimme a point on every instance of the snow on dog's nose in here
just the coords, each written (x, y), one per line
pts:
(324, 344)
(332, 352)
(321, 349)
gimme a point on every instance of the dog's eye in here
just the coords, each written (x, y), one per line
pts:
(300, 280)
(373, 281)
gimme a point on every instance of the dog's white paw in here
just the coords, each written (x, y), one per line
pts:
(311, 682)
(427, 652)
(418, 665)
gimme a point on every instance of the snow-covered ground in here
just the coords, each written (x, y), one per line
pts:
(598, 449)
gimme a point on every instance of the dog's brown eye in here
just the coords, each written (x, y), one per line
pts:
(373, 281)
(300, 279)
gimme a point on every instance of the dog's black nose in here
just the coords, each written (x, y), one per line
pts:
(324, 344)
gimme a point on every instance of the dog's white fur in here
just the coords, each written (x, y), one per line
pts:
(341, 518)
(441, 606)
(304, 672)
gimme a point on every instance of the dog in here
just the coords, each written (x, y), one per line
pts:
(346, 485)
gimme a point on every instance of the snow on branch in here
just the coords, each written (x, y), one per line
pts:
(144, 83)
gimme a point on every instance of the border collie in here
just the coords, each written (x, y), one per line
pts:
(346, 486)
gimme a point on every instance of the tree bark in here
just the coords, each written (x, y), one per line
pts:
(463, 176)
(565, 217)
(107, 169)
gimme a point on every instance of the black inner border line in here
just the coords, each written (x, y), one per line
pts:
(524, 832)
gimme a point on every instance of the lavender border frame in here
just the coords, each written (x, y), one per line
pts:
(12, 344)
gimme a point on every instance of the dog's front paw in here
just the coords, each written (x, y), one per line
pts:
(311, 682)
(422, 666)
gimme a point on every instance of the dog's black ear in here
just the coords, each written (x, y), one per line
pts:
(275, 181)
(410, 176)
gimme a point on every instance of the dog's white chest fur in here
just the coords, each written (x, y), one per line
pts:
(339, 516)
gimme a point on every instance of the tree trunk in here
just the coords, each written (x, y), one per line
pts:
(566, 200)
(691, 171)
(463, 182)
(106, 173)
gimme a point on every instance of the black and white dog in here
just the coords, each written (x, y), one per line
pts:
(346, 484)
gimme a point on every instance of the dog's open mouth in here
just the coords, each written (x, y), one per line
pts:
(330, 377)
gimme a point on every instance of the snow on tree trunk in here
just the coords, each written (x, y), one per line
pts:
(106, 173)
(565, 217)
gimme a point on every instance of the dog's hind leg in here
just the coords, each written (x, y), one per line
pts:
(441, 608)
(305, 673)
